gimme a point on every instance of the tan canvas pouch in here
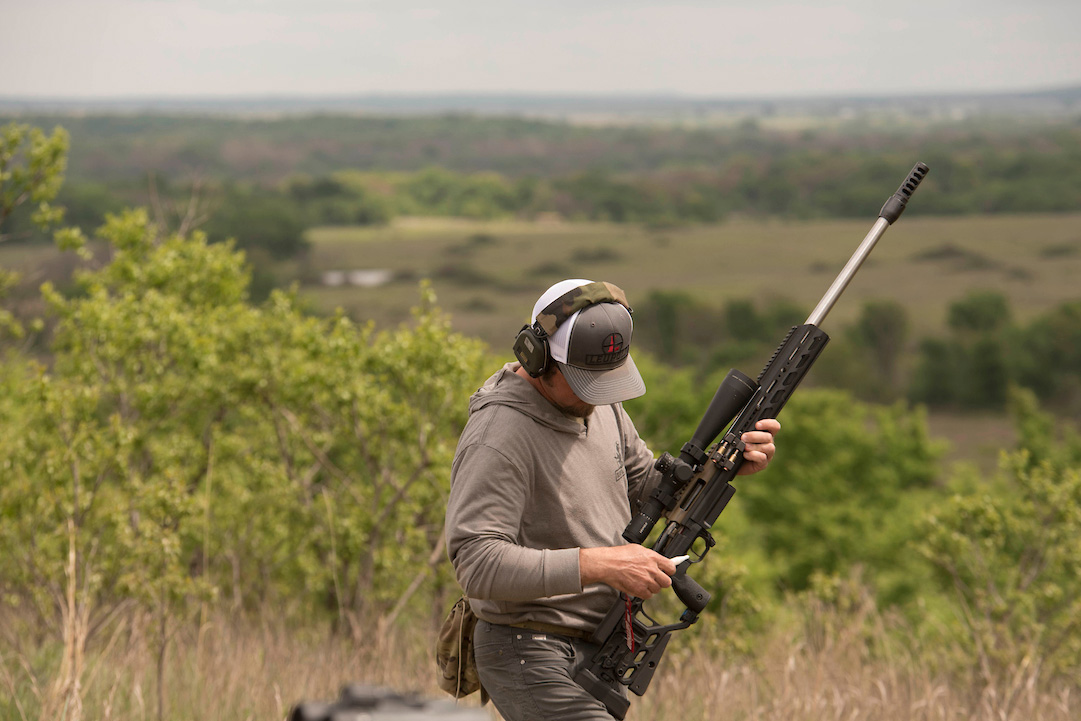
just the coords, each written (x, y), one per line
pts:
(454, 653)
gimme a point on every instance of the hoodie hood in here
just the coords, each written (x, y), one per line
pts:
(507, 388)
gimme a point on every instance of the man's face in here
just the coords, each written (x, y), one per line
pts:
(562, 397)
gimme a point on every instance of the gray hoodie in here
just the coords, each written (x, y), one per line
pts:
(529, 487)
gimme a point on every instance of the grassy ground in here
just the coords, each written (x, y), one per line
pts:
(828, 666)
(487, 275)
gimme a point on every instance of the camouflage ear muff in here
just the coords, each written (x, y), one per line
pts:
(531, 346)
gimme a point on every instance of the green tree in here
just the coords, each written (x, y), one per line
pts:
(936, 377)
(257, 220)
(666, 314)
(1010, 555)
(127, 410)
(979, 312)
(972, 368)
(882, 329)
(32, 167)
(986, 379)
(185, 441)
(365, 426)
(865, 358)
(343, 199)
(843, 491)
(1046, 356)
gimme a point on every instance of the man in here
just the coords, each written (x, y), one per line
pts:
(547, 472)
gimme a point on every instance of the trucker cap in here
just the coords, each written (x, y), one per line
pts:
(592, 348)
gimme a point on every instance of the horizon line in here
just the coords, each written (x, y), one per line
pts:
(538, 95)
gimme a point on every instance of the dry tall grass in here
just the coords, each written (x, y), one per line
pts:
(791, 681)
(228, 670)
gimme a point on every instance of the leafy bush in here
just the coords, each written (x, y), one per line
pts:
(844, 490)
(185, 444)
(1010, 554)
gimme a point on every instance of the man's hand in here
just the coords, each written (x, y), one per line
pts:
(760, 448)
(632, 569)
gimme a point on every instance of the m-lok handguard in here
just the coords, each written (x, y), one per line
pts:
(695, 487)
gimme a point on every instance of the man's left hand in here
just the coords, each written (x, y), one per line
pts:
(760, 448)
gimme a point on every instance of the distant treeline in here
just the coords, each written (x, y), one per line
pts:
(267, 180)
(1045, 177)
(268, 151)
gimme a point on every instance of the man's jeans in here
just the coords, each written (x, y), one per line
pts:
(530, 675)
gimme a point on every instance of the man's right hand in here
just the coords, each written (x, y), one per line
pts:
(632, 569)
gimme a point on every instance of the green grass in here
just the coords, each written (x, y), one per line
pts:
(487, 275)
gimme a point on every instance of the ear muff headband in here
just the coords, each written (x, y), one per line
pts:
(531, 346)
(575, 299)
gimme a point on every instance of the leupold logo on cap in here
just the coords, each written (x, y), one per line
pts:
(612, 350)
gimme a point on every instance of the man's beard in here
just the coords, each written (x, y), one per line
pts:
(578, 410)
(581, 409)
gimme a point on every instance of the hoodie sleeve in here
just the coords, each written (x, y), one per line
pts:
(484, 514)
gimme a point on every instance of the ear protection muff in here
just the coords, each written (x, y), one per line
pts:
(532, 351)
(531, 346)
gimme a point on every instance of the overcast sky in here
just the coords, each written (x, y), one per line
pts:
(106, 48)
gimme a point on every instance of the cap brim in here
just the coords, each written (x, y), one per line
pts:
(602, 388)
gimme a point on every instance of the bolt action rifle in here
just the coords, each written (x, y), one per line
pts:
(695, 487)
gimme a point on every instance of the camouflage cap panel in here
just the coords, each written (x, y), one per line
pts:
(575, 299)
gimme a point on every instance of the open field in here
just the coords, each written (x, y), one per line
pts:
(832, 666)
(487, 274)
